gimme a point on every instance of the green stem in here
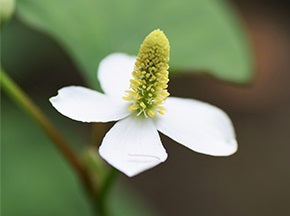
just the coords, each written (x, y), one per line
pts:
(27, 104)
(104, 192)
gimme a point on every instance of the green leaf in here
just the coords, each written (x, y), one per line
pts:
(205, 35)
(17, 40)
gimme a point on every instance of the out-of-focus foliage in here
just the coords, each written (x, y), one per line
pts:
(204, 34)
(37, 181)
(25, 50)
(6, 10)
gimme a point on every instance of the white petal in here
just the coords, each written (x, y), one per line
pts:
(199, 126)
(87, 105)
(132, 146)
(114, 74)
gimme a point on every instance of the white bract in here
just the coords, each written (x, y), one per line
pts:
(133, 144)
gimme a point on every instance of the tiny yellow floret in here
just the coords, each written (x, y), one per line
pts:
(148, 87)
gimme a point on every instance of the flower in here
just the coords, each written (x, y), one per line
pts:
(142, 108)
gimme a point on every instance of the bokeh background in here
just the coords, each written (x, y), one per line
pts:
(35, 180)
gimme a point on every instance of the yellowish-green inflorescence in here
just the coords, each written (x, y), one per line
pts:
(148, 88)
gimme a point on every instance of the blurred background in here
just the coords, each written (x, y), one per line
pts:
(255, 181)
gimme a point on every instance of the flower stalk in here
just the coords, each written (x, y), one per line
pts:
(101, 201)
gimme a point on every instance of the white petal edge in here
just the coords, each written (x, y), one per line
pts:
(114, 74)
(86, 105)
(199, 126)
(132, 146)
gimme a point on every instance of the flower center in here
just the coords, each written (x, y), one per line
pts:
(148, 88)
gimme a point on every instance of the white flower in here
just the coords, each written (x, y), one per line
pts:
(133, 144)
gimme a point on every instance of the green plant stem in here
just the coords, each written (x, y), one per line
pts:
(104, 192)
(28, 105)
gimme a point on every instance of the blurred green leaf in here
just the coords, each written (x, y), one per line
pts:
(23, 50)
(6, 10)
(35, 179)
(205, 35)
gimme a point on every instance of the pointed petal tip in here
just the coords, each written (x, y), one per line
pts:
(133, 174)
(128, 171)
(230, 148)
(51, 100)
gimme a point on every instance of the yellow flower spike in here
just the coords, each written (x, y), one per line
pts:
(150, 76)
